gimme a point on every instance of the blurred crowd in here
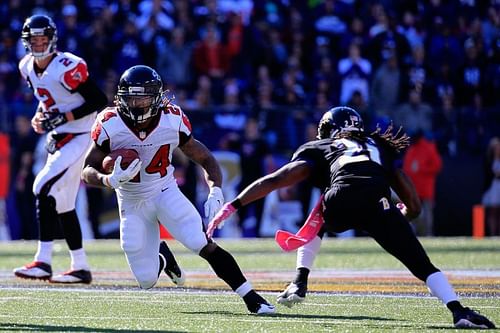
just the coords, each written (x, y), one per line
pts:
(432, 66)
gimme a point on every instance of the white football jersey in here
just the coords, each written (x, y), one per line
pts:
(55, 87)
(155, 149)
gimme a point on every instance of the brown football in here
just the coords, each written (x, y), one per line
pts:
(128, 155)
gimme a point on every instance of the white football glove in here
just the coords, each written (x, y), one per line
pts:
(214, 202)
(120, 176)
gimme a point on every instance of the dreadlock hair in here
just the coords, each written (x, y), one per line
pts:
(396, 142)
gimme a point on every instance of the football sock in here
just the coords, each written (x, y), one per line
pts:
(454, 306)
(225, 267)
(79, 260)
(301, 276)
(44, 252)
(71, 229)
(244, 289)
(307, 253)
(439, 286)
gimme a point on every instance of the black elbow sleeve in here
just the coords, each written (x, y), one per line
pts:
(95, 99)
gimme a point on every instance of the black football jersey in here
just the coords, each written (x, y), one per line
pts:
(347, 162)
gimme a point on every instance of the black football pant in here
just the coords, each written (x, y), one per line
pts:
(365, 208)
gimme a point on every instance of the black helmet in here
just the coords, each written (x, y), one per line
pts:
(39, 25)
(140, 92)
(339, 119)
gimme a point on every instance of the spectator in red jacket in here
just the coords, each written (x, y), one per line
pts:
(422, 163)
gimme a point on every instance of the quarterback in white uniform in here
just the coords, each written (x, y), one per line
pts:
(147, 191)
(68, 101)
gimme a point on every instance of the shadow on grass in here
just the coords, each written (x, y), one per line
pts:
(293, 315)
(14, 327)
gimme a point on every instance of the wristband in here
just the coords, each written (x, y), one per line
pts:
(236, 203)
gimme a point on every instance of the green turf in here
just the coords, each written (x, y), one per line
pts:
(99, 308)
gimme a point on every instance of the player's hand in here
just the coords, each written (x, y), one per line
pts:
(214, 202)
(120, 176)
(217, 222)
(36, 122)
(53, 120)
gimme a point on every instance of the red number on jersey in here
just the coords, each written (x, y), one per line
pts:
(49, 101)
(159, 162)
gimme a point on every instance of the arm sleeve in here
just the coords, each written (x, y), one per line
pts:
(95, 99)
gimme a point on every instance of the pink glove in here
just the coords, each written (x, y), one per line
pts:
(288, 241)
(218, 220)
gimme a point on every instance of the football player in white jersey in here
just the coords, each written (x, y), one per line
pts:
(147, 191)
(68, 101)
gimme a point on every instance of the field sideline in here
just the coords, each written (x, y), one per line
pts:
(355, 287)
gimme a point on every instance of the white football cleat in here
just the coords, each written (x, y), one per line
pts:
(36, 270)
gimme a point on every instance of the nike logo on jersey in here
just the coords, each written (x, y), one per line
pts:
(164, 189)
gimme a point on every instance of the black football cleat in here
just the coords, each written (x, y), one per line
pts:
(73, 276)
(170, 266)
(293, 294)
(468, 318)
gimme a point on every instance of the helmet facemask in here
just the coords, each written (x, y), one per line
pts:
(138, 105)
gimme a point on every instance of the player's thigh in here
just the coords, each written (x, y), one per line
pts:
(138, 227)
(181, 219)
(394, 233)
(60, 176)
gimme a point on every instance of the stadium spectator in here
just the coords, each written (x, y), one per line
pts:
(385, 89)
(422, 163)
(255, 155)
(491, 197)
(354, 72)
(68, 100)
(174, 59)
(24, 142)
(4, 183)
(415, 115)
(355, 172)
(143, 112)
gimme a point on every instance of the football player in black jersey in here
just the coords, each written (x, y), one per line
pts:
(355, 172)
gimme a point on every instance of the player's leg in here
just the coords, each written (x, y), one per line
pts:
(46, 216)
(296, 291)
(140, 240)
(395, 235)
(183, 221)
(71, 157)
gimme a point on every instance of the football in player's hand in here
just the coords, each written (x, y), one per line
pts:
(128, 155)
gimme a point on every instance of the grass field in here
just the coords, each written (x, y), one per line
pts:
(356, 287)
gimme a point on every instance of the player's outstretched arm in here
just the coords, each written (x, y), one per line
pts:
(291, 173)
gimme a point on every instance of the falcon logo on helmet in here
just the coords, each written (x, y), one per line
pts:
(39, 25)
(140, 93)
(339, 119)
